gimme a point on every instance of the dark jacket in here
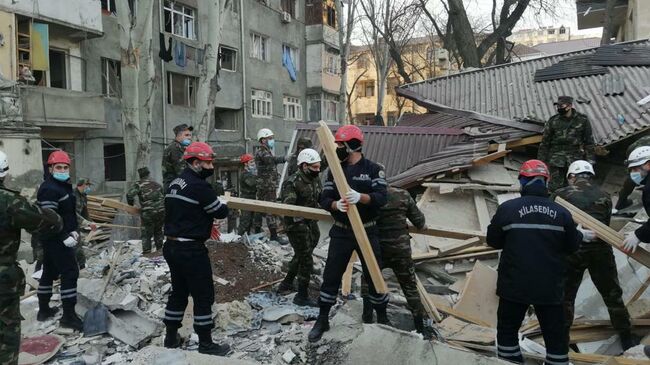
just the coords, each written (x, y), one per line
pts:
(191, 205)
(643, 232)
(536, 235)
(59, 197)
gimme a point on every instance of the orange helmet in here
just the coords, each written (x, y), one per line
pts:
(532, 168)
(199, 150)
(347, 133)
(246, 157)
(58, 157)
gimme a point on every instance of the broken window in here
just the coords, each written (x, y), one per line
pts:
(181, 90)
(227, 119)
(227, 58)
(111, 78)
(114, 162)
(259, 47)
(108, 6)
(179, 19)
(289, 6)
(331, 16)
(261, 104)
(292, 108)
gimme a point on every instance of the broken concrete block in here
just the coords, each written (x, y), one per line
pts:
(288, 356)
(131, 327)
(233, 316)
(154, 355)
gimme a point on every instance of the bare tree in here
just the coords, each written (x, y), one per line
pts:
(346, 27)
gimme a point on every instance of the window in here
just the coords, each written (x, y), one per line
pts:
(551, 31)
(58, 69)
(261, 104)
(332, 64)
(366, 88)
(323, 107)
(227, 119)
(108, 6)
(331, 16)
(181, 90)
(179, 20)
(114, 162)
(294, 53)
(227, 58)
(111, 78)
(292, 108)
(289, 6)
(259, 47)
(562, 30)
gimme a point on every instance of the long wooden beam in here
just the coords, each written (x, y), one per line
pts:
(116, 204)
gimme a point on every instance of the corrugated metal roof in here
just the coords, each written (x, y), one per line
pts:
(572, 45)
(508, 91)
(622, 55)
(576, 66)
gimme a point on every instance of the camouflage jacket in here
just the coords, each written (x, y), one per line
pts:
(172, 162)
(267, 174)
(299, 189)
(587, 196)
(643, 141)
(248, 185)
(566, 140)
(150, 195)
(293, 164)
(81, 204)
(393, 228)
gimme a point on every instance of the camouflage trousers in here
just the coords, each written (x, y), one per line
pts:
(12, 286)
(404, 270)
(151, 227)
(249, 220)
(268, 195)
(558, 178)
(37, 248)
(303, 241)
(79, 251)
(598, 258)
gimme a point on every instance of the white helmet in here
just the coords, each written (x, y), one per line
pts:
(639, 156)
(264, 133)
(579, 167)
(4, 164)
(308, 156)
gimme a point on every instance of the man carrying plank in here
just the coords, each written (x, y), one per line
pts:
(367, 182)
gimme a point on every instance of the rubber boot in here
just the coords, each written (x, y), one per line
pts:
(206, 346)
(382, 316)
(44, 310)
(172, 338)
(286, 286)
(321, 326)
(628, 340)
(368, 315)
(302, 297)
(70, 319)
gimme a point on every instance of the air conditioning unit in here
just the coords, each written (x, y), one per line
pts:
(286, 17)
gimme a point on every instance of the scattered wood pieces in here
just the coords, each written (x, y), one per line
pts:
(518, 143)
(482, 210)
(489, 158)
(478, 298)
(346, 287)
(112, 203)
(453, 329)
(427, 303)
(266, 285)
(461, 245)
(451, 187)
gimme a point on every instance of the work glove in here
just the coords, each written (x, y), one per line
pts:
(631, 242)
(587, 234)
(342, 205)
(215, 235)
(72, 239)
(352, 197)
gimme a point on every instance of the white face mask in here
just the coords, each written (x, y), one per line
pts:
(638, 176)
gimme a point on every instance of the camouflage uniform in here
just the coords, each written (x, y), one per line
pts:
(302, 190)
(629, 185)
(16, 213)
(248, 219)
(152, 209)
(597, 257)
(565, 140)
(267, 179)
(172, 163)
(84, 218)
(395, 244)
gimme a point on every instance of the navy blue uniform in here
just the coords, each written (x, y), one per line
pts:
(191, 205)
(58, 260)
(643, 232)
(536, 235)
(365, 177)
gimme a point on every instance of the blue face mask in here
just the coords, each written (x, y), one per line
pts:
(186, 142)
(637, 177)
(87, 190)
(61, 176)
(270, 143)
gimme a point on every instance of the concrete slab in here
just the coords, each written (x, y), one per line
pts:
(154, 355)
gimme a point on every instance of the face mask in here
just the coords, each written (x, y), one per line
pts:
(312, 173)
(342, 153)
(637, 177)
(87, 190)
(61, 176)
(562, 111)
(252, 169)
(270, 143)
(186, 142)
(206, 173)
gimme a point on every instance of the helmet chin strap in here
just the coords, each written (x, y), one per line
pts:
(350, 149)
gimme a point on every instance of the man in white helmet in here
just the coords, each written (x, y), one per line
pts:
(302, 188)
(267, 177)
(594, 254)
(638, 164)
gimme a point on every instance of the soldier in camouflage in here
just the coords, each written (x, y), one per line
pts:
(567, 138)
(81, 196)
(248, 190)
(152, 209)
(302, 188)
(16, 213)
(172, 162)
(594, 254)
(629, 185)
(267, 177)
(395, 243)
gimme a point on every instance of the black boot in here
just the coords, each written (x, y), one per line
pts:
(423, 328)
(628, 340)
(44, 310)
(321, 326)
(622, 204)
(206, 346)
(172, 338)
(302, 297)
(286, 286)
(382, 316)
(368, 315)
(70, 319)
(274, 237)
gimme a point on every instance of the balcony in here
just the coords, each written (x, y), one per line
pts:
(82, 15)
(52, 107)
(591, 13)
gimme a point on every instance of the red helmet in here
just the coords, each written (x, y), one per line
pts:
(200, 150)
(347, 133)
(58, 157)
(532, 168)
(246, 157)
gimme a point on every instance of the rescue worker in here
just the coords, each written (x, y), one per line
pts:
(629, 185)
(536, 235)
(267, 177)
(567, 137)
(367, 182)
(395, 244)
(58, 249)
(302, 188)
(248, 190)
(16, 213)
(594, 254)
(152, 209)
(83, 217)
(292, 167)
(191, 205)
(172, 161)
(638, 163)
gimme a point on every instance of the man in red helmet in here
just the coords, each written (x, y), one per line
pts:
(191, 205)
(59, 248)
(536, 236)
(368, 190)
(248, 189)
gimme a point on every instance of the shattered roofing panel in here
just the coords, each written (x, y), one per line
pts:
(571, 67)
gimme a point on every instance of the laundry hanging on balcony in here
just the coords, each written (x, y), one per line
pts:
(179, 53)
(165, 51)
(287, 62)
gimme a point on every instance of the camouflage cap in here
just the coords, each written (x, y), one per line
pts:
(143, 172)
(182, 127)
(563, 100)
(83, 181)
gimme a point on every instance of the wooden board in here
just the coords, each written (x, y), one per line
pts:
(604, 232)
(329, 147)
(111, 203)
(427, 303)
(346, 286)
(490, 157)
(479, 299)
(491, 174)
(518, 143)
(450, 187)
(476, 252)
(453, 329)
(482, 211)
(448, 250)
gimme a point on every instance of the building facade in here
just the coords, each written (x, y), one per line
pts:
(531, 37)
(630, 18)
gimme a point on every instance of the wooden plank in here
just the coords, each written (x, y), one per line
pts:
(329, 147)
(518, 143)
(464, 316)
(482, 251)
(639, 292)
(121, 206)
(482, 210)
(346, 287)
(450, 187)
(489, 158)
(427, 303)
(604, 232)
(479, 299)
(453, 248)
